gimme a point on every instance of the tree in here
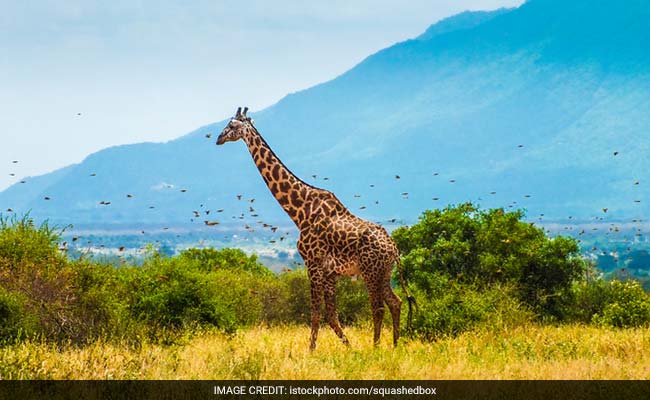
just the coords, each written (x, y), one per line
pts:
(488, 247)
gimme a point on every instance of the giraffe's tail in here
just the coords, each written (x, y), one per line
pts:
(409, 296)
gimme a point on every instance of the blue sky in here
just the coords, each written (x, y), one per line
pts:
(154, 70)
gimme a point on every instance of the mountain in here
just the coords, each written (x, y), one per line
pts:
(544, 107)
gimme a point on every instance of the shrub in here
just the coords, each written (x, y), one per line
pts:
(298, 295)
(15, 321)
(484, 248)
(234, 259)
(628, 305)
(21, 242)
(447, 307)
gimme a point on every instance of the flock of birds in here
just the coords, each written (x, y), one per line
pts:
(252, 221)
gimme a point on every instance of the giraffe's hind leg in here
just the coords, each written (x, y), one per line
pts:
(376, 294)
(395, 306)
(330, 308)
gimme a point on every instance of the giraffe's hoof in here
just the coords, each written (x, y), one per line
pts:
(345, 341)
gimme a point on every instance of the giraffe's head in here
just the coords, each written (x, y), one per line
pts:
(238, 127)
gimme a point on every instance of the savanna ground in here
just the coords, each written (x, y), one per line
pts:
(524, 352)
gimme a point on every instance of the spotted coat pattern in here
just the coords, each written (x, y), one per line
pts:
(333, 241)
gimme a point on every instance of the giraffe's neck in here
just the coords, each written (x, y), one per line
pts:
(291, 193)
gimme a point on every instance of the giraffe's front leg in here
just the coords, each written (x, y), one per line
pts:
(316, 301)
(330, 308)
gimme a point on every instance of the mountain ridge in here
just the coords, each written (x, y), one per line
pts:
(458, 101)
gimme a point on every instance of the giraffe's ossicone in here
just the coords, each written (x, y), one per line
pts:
(333, 241)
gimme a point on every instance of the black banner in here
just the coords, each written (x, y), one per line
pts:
(160, 390)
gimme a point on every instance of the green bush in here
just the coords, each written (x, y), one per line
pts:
(447, 307)
(490, 247)
(21, 242)
(166, 294)
(298, 295)
(15, 321)
(233, 259)
(628, 305)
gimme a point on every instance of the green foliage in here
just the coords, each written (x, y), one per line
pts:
(447, 307)
(628, 305)
(197, 289)
(22, 242)
(468, 269)
(352, 301)
(298, 297)
(14, 321)
(234, 259)
(483, 248)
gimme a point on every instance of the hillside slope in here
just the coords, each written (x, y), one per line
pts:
(544, 107)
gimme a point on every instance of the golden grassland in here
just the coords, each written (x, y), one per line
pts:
(525, 352)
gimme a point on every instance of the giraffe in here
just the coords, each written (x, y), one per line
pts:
(332, 242)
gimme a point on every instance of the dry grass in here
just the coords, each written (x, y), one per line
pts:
(529, 352)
